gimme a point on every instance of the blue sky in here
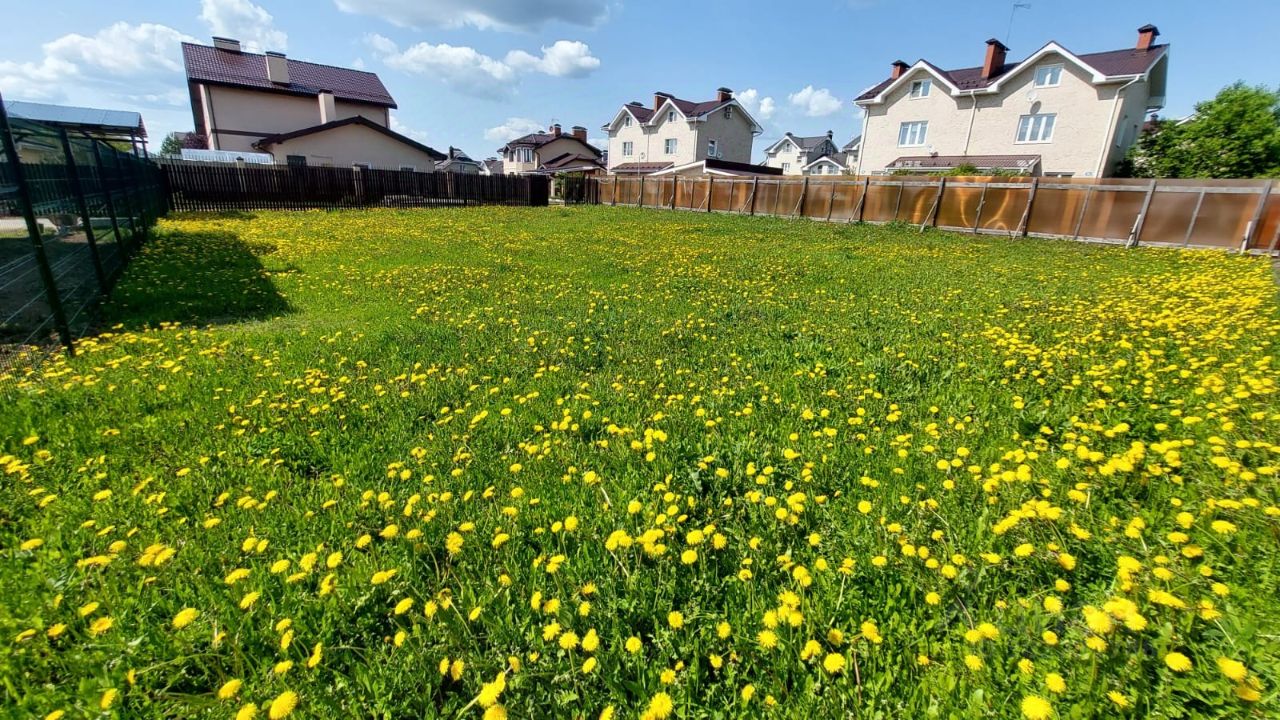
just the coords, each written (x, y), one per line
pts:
(472, 73)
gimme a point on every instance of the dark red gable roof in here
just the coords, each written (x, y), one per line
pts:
(1129, 61)
(539, 139)
(249, 70)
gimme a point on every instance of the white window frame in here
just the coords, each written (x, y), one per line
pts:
(924, 86)
(626, 120)
(628, 148)
(1035, 129)
(728, 112)
(671, 116)
(524, 154)
(670, 146)
(786, 166)
(913, 133)
(1048, 71)
(712, 148)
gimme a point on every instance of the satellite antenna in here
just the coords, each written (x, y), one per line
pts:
(1032, 96)
(1013, 10)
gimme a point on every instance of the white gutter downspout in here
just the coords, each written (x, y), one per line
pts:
(862, 143)
(1111, 126)
(973, 95)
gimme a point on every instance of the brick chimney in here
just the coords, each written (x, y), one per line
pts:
(555, 130)
(830, 134)
(1147, 35)
(228, 44)
(580, 133)
(658, 99)
(277, 68)
(897, 69)
(328, 108)
(994, 61)
(724, 94)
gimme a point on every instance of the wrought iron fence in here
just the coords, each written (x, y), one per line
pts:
(1235, 214)
(73, 208)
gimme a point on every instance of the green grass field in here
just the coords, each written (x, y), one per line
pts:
(594, 462)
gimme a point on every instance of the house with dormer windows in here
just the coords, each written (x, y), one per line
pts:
(806, 155)
(672, 132)
(1054, 113)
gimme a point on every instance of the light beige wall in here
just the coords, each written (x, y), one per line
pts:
(1082, 126)
(265, 113)
(791, 158)
(555, 148)
(350, 144)
(733, 136)
(733, 139)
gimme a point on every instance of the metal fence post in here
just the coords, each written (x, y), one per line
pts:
(1195, 214)
(82, 206)
(755, 185)
(1084, 208)
(804, 190)
(982, 201)
(932, 219)
(128, 202)
(1257, 215)
(121, 248)
(711, 186)
(33, 230)
(862, 201)
(1026, 213)
(1142, 216)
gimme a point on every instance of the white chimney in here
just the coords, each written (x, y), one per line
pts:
(277, 68)
(328, 109)
(227, 44)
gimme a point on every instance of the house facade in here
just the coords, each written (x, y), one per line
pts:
(250, 102)
(457, 161)
(1054, 113)
(546, 152)
(672, 132)
(806, 155)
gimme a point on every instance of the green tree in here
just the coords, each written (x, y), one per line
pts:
(1234, 135)
(171, 145)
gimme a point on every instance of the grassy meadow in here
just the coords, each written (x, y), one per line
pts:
(607, 463)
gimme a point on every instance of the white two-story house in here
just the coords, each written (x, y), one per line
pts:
(806, 155)
(672, 133)
(1055, 113)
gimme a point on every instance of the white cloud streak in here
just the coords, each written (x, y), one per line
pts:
(510, 15)
(471, 72)
(251, 24)
(814, 102)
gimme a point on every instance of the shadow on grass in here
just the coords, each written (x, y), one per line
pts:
(195, 278)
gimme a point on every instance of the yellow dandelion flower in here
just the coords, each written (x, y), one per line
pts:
(283, 705)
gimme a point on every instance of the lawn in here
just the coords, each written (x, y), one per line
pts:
(596, 462)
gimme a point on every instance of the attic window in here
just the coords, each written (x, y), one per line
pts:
(626, 121)
(1048, 76)
(671, 116)
(920, 88)
(728, 112)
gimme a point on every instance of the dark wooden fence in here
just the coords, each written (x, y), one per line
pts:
(222, 186)
(1237, 214)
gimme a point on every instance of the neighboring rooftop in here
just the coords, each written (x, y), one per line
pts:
(225, 64)
(1110, 64)
(360, 120)
(114, 123)
(538, 139)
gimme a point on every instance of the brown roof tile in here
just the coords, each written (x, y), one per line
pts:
(249, 70)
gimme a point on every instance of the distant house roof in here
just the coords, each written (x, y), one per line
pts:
(493, 165)
(811, 146)
(92, 120)
(1106, 66)
(567, 162)
(927, 163)
(354, 120)
(853, 144)
(639, 168)
(839, 158)
(689, 108)
(216, 66)
(712, 166)
(455, 156)
(538, 139)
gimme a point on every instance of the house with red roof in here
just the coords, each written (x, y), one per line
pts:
(673, 132)
(551, 152)
(302, 113)
(1054, 113)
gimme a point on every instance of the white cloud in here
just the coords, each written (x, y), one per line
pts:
(564, 58)
(513, 128)
(472, 72)
(815, 103)
(760, 108)
(251, 24)
(130, 62)
(419, 135)
(483, 14)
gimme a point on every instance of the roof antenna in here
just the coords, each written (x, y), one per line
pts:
(1016, 7)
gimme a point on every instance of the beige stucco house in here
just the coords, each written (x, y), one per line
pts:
(806, 155)
(1053, 113)
(674, 132)
(300, 112)
(550, 152)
